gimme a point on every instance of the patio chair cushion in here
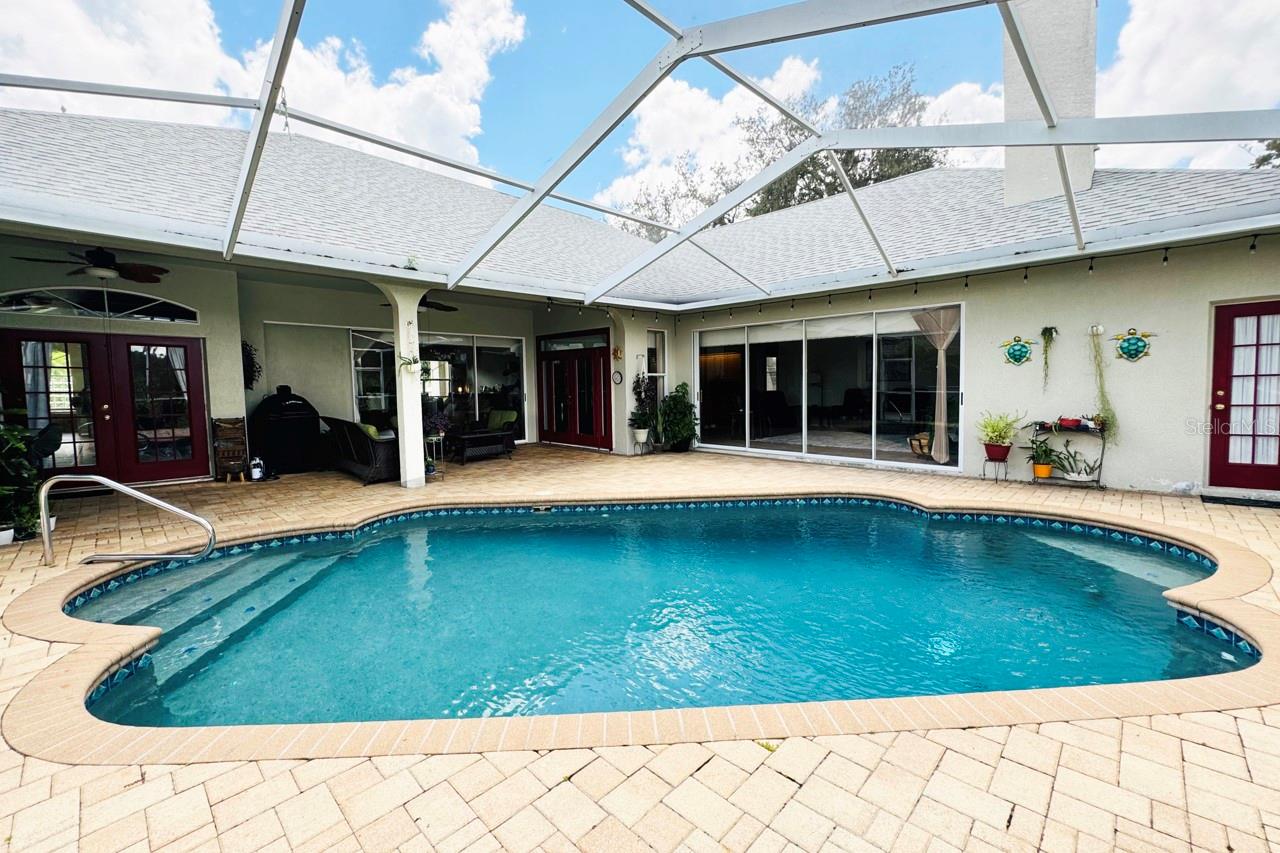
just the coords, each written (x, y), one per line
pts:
(499, 418)
(371, 458)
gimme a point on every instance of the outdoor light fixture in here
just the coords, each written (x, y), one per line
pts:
(633, 313)
(828, 299)
(915, 289)
(760, 309)
(793, 305)
(1026, 274)
(101, 272)
(1165, 261)
(1091, 266)
(1253, 247)
(966, 282)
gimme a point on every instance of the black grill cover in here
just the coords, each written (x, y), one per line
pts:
(285, 431)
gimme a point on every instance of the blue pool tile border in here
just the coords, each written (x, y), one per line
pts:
(1127, 537)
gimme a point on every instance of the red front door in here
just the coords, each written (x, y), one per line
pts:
(1244, 447)
(573, 395)
(129, 407)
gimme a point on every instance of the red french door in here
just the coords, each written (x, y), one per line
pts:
(129, 407)
(1244, 444)
(573, 392)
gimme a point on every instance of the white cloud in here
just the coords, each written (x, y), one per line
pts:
(175, 44)
(678, 119)
(1173, 56)
(969, 103)
(1185, 56)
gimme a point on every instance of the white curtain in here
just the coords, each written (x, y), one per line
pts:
(36, 380)
(178, 359)
(940, 326)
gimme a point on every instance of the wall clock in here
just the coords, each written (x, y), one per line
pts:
(617, 377)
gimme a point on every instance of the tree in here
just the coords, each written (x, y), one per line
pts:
(890, 100)
(1270, 156)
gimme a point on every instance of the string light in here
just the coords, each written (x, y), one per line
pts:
(1091, 266)
(655, 316)
(828, 299)
(1026, 274)
(1165, 260)
(966, 282)
(704, 316)
(760, 309)
(579, 310)
(633, 313)
(1253, 247)
(730, 313)
(549, 304)
(793, 305)
(915, 289)
(869, 292)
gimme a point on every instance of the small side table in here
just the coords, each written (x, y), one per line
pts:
(999, 467)
(434, 445)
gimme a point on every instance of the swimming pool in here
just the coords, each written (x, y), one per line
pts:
(470, 614)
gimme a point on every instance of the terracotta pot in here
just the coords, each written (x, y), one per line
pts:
(1042, 470)
(998, 452)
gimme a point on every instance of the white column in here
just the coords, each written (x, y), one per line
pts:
(404, 301)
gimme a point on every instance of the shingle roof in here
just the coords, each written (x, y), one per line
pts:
(318, 200)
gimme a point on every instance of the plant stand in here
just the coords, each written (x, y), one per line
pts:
(1050, 428)
(999, 469)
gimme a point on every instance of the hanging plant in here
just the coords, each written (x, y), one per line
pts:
(252, 367)
(1047, 335)
(1106, 415)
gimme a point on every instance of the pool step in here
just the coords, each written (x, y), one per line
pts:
(169, 600)
(187, 646)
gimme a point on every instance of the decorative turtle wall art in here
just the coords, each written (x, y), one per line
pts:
(1017, 351)
(1133, 345)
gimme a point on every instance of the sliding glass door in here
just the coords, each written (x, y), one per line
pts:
(881, 386)
(722, 387)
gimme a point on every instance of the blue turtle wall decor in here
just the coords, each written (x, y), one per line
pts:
(1133, 345)
(1017, 351)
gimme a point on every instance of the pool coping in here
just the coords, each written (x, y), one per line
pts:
(48, 717)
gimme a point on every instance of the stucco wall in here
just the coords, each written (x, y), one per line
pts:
(210, 290)
(1159, 400)
(302, 340)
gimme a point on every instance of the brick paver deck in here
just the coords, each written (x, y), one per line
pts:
(1207, 780)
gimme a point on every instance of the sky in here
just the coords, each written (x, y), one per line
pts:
(509, 84)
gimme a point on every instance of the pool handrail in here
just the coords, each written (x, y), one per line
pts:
(46, 532)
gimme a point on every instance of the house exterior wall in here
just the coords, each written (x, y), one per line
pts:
(1161, 401)
(301, 334)
(210, 290)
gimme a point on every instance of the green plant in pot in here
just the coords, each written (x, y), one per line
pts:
(679, 419)
(21, 450)
(996, 431)
(644, 415)
(1042, 456)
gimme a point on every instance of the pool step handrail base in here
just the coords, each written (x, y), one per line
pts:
(46, 531)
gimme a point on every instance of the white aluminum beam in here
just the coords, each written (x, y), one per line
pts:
(277, 62)
(668, 26)
(1022, 49)
(469, 168)
(732, 199)
(613, 115)
(1233, 126)
(79, 87)
(722, 262)
(813, 18)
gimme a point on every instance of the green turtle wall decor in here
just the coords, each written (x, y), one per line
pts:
(1017, 351)
(1133, 345)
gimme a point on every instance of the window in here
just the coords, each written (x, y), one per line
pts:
(656, 362)
(95, 302)
(465, 379)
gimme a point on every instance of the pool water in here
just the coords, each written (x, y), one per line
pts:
(579, 612)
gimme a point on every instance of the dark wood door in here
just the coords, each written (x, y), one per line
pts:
(63, 378)
(161, 427)
(574, 404)
(1244, 444)
(130, 407)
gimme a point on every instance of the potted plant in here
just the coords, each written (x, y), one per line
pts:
(1041, 457)
(1074, 466)
(679, 419)
(438, 423)
(644, 415)
(996, 432)
(20, 453)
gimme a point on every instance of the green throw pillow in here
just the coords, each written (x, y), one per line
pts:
(370, 430)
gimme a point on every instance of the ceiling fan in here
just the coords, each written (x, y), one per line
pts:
(102, 264)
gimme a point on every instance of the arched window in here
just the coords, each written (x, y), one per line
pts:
(95, 302)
